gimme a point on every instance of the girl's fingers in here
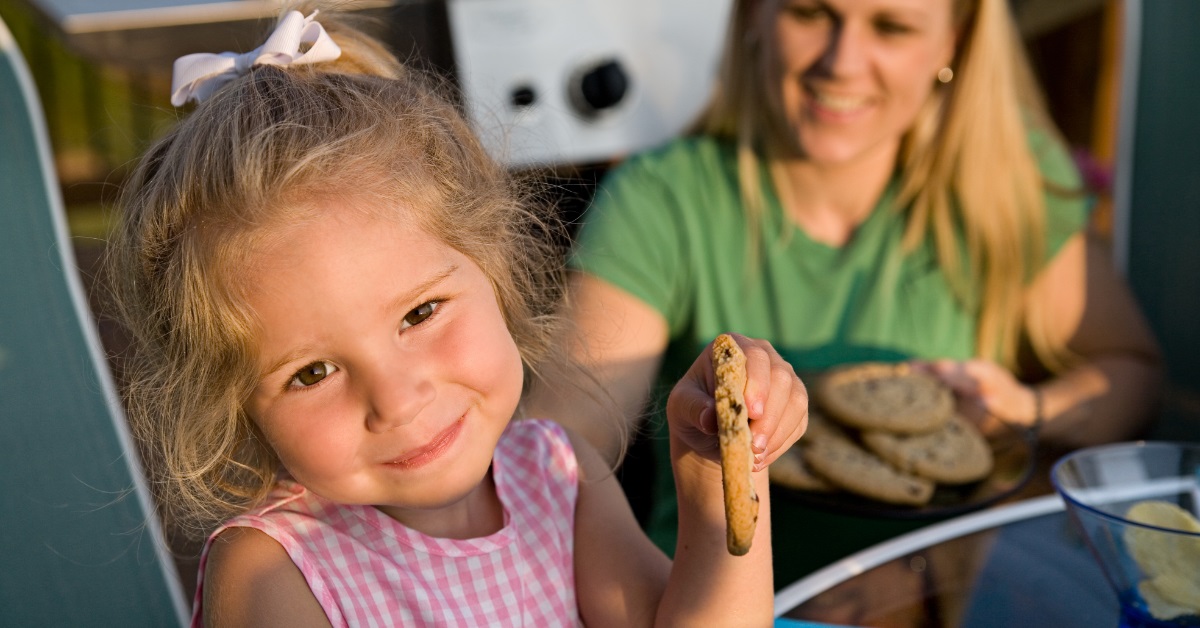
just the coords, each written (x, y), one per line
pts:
(787, 398)
(777, 401)
(791, 425)
(758, 374)
(786, 442)
(696, 402)
(707, 422)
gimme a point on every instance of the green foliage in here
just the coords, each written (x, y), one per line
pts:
(100, 117)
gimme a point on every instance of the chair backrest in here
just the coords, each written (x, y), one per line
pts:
(1157, 192)
(79, 545)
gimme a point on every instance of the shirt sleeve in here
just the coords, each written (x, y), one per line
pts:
(633, 236)
(1067, 203)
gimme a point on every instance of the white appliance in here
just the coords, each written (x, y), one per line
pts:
(584, 81)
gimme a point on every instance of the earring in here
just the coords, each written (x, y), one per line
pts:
(945, 75)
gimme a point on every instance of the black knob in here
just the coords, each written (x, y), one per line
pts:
(522, 96)
(599, 87)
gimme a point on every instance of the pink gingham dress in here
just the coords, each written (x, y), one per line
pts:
(366, 569)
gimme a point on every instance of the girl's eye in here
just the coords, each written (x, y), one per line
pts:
(419, 314)
(312, 374)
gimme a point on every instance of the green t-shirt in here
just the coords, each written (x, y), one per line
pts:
(668, 227)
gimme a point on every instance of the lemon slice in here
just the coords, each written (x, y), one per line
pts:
(1158, 604)
(1170, 562)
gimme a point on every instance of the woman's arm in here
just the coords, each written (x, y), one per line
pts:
(249, 580)
(622, 341)
(1112, 394)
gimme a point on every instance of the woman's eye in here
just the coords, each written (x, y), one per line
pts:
(419, 314)
(805, 13)
(886, 27)
(312, 374)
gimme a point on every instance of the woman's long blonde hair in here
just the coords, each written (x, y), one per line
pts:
(952, 183)
(266, 150)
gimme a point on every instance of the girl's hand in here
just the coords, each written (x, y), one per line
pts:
(776, 400)
(987, 393)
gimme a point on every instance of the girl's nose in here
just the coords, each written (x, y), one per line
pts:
(396, 397)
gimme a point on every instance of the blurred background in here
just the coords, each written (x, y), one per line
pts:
(103, 67)
(568, 87)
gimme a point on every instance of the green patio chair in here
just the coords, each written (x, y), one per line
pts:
(78, 545)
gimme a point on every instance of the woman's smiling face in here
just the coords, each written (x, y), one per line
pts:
(854, 73)
(387, 370)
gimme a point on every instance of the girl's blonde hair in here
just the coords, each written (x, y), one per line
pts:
(951, 185)
(268, 149)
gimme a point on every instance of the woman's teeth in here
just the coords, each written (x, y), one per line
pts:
(840, 104)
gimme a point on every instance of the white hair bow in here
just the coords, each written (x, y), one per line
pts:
(197, 76)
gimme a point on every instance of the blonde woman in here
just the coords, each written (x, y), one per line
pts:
(874, 180)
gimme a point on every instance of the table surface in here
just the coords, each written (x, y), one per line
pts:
(1022, 564)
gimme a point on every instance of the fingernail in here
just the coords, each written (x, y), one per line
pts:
(758, 408)
(760, 443)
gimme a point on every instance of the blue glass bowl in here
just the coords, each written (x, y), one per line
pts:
(1099, 485)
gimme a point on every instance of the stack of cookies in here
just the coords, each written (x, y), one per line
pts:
(886, 432)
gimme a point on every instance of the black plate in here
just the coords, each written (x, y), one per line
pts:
(1014, 449)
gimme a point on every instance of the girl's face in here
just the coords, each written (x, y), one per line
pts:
(387, 370)
(854, 73)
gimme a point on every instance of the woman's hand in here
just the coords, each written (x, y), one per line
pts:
(776, 402)
(987, 393)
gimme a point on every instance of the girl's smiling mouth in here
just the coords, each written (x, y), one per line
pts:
(435, 448)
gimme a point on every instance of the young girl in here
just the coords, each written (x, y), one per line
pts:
(337, 300)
